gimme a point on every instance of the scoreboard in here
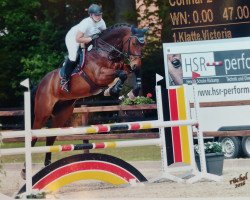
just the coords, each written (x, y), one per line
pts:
(194, 20)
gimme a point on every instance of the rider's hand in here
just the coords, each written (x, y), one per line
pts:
(88, 40)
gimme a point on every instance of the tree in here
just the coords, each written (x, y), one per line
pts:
(18, 26)
(125, 11)
(32, 36)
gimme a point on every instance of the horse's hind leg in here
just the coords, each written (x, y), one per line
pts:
(40, 119)
(38, 124)
(59, 119)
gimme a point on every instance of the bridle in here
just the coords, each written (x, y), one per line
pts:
(120, 55)
(129, 51)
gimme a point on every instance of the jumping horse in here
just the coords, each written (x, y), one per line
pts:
(116, 52)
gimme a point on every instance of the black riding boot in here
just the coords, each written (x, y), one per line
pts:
(65, 82)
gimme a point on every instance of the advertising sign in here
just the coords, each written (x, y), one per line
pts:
(224, 66)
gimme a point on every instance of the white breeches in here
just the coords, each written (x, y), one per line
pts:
(71, 45)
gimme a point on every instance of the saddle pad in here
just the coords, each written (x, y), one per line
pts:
(79, 66)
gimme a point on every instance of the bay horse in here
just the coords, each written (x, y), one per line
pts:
(115, 53)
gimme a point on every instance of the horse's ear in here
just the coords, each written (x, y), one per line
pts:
(144, 30)
(133, 29)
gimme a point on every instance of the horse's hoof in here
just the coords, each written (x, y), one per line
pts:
(23, 174)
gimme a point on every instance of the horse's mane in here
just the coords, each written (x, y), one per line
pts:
(119, 25)
(114, 27)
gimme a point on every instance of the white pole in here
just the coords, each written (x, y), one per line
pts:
(161, 130)
(28, 156)
(12, 134)
(199, 130)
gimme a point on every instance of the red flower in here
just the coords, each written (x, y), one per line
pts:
(149, 95)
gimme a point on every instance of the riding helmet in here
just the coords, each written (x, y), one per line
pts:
(95, 9)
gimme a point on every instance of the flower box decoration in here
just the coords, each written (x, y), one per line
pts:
(136, 115)
(137, 100)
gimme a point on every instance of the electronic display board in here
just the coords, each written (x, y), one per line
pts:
(194, 20)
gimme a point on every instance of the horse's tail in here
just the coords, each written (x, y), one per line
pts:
(33, 95)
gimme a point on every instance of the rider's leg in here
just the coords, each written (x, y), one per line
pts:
(65, 82)
(72, 47)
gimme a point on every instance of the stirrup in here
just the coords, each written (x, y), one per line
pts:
(65, 85)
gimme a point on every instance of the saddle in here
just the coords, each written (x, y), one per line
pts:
(79, 64)
(78, 69)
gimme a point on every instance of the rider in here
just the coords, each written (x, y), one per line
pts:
(82, 33)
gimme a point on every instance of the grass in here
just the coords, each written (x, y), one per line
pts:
(126, 153)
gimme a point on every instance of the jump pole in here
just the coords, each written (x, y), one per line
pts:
(104, 128)
(74, 147)
(203, 174)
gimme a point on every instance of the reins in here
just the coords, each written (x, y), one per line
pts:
(110, 49)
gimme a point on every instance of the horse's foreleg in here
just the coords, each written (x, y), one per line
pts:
(117, 84)
(135, 92)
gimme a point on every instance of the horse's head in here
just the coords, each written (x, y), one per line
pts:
(132, 47)
(124, 44)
